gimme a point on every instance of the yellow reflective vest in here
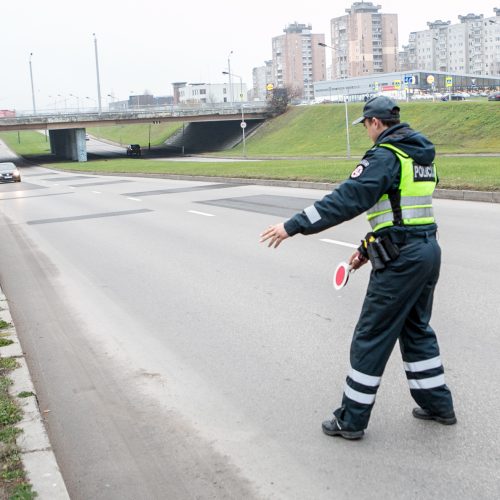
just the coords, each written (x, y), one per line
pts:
(412, 204)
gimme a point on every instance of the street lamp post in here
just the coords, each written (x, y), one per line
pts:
(231, 97)
(32, 86)
(97, 74)
(348, 141)
(77, 102)
(243, 123)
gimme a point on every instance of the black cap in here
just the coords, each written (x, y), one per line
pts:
(379, 107)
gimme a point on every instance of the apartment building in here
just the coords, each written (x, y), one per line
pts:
(262, 77)
(298, 60)
(471, 46)
(364, 41)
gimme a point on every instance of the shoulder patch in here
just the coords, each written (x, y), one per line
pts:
(357, 171)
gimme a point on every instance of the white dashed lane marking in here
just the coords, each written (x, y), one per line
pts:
(201, 213)
(341, 243)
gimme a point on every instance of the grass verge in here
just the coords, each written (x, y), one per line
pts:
(476, 173)
(13, 482)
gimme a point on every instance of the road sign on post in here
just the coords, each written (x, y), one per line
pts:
(410, 79)
(449, 81)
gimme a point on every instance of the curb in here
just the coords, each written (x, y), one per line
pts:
(449, 194)
(37, 455)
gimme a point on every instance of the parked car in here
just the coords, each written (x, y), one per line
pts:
(494, 97)
(134, 150)
(453, 97)
(9, 172)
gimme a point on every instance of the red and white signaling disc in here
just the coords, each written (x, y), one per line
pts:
(341, 275)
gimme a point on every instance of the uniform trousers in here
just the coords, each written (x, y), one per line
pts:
(398, 306)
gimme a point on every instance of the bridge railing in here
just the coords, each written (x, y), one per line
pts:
(187, 110)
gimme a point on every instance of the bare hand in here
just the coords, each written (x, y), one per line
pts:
(357, 260)
(276, 234)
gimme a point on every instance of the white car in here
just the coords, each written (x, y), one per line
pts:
(9, 172)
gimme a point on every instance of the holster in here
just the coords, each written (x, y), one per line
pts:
(380, 250)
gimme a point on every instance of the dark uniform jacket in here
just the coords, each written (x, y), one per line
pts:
(377, 173)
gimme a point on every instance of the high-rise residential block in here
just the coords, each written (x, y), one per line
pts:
(262, 77)
(364, 41)
(298, 60)
(471, 46)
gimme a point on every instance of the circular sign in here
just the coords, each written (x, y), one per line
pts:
(341, 275)
(430, 79)
(243, 124)
(269, 86)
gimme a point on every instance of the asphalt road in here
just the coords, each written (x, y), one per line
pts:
(175, 357)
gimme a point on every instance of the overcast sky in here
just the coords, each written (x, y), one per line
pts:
(147, 44)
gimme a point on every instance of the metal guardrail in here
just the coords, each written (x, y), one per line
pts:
(153, 112)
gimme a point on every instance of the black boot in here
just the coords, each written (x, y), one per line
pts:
(332, 428)
(446, 419)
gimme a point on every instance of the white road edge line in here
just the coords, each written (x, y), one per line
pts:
(96, 192)
(341, 243)
(133, 199)
(201, 213)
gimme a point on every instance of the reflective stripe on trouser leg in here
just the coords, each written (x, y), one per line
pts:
(361, 387)
(425, 374)
(359, 391)
(427, 384)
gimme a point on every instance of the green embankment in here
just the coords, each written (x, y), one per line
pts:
(136, 134)
(318, 131)
(27, 142)
(454, 127)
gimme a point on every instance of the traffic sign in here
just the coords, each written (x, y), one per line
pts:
(269, 87)
(243, 124)
(449, 81)
(397, 84)
(430, 79)
(410, 79)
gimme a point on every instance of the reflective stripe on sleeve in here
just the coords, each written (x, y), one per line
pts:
(364, 379)
(420, 366)
(312, 214)
(426, 383)
(359, 397)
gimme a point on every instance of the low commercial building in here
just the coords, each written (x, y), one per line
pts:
(402, 85)
(211, 93)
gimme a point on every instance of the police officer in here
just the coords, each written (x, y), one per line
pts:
(393, 183)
